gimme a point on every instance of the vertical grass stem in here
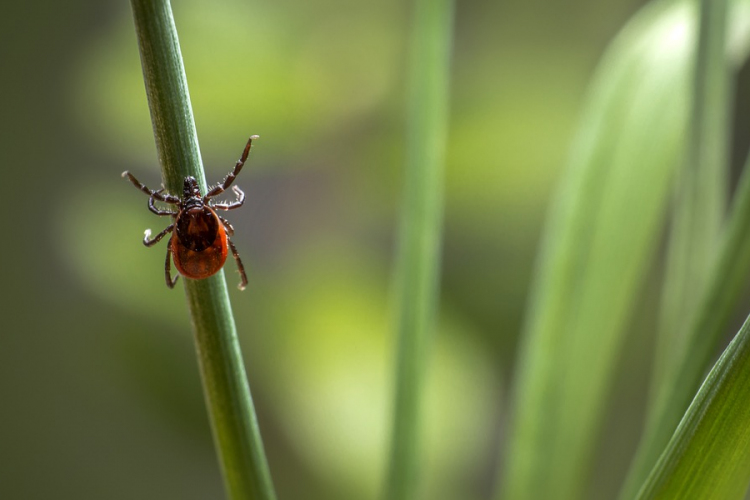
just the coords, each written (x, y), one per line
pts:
(230, 406)
(418, 258)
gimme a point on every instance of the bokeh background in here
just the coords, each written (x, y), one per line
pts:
(99, 390)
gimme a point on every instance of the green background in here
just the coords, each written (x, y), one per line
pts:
(99, 388)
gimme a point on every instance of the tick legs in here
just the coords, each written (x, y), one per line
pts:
(157, 210)
(167, 265)
(240, 267)
(227, 225)
(148, 242)
(166, 198)
(235, 204)
(167, 270)
(229, 179)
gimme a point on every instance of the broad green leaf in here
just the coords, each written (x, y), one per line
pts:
(700, 290)
(709, 454)
(599, 241)
(702, 183)
(728, 280)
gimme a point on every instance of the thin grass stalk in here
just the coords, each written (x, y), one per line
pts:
(418, 257)
(230, 407)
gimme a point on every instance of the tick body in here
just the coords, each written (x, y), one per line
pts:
(200, 241)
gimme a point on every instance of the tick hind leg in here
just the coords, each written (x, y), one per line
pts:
(168, 271)
(227, 225)
(240, 267)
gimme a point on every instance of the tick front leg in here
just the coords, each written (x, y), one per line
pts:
(168, 271)
(229, 179)
(235, 204)
(166, 198)
(240, 267)
(156, 209)
(157, 238)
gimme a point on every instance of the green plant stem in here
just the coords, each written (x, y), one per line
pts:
(418, 259)
(689, 329)
(230, 406)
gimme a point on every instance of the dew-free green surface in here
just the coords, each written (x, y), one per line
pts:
(709, 454)
(417, 274)
(600, 237)
(227, 393)
(697, 292)
(96, 354)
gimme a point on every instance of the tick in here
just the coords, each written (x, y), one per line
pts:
(200, 237)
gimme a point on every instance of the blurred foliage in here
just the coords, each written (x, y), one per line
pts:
(322, 84)
(249, 67)
(603, 230)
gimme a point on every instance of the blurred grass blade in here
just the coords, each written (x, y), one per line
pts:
(702, 185)
(600, 237)
(709, 454)
(697, 304)
(727, 282)
(418, 258)
(226, 389)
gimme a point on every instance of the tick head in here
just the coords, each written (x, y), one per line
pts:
(190, 188)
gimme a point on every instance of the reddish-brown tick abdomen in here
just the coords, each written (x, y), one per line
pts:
(199, 243)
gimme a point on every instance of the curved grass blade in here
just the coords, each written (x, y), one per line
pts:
(709, 454)
(690, 339)
(600, 237)
(702, 186)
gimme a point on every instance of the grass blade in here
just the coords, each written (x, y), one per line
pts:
(683, 359)
(600, 237)
(728, 280)
(227, 393)
(702, 184)
(709, 454)
(418, 259)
